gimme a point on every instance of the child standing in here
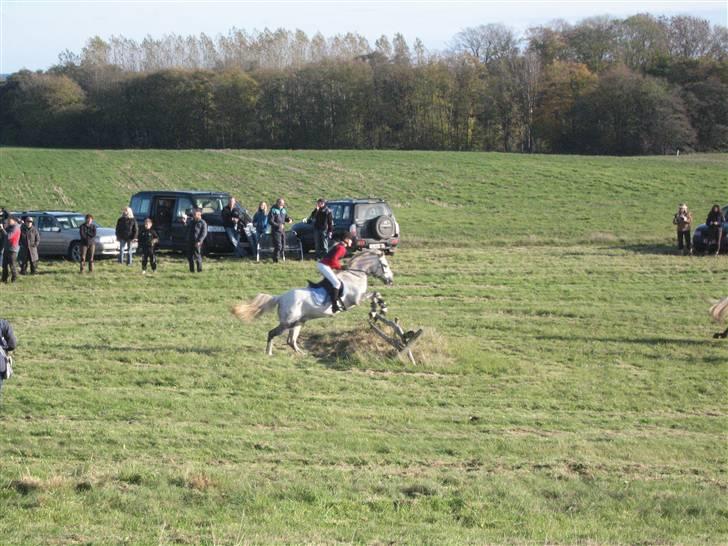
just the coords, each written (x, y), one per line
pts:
(148, 241)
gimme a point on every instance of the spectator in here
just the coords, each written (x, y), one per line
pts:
(231, 221)
(683, 219)
(11, 248)
(323, 227)
(127, 232)
(196, 234)
(3, 224)
(29, 241)
(260, 223)
(278, 218)
(7, 344)
(715, 223)
(87, 234)
(148, 241)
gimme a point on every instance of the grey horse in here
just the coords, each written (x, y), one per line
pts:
(299, 305)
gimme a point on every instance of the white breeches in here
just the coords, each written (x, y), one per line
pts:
(329, 274)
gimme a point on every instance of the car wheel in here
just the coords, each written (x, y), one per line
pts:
(384, 227)
(74, 251)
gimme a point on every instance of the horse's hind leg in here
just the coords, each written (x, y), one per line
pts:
(293, 337)
(278, 330)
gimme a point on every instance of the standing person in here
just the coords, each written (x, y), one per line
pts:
(323, 227)
(278, 218)
(715, 223)
(3, 224)
(196, 234)
(29, 241)
(127, 232)
(260, 223)
(87, 234)
(683, 219)
(231, 221)
(8, 343)
(148, 241)
(11, 249)
(330, 263)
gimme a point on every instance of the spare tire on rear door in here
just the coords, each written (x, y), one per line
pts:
(384, 227)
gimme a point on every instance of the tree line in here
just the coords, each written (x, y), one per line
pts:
(639, 85)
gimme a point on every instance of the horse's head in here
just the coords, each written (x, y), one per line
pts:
(373, 262)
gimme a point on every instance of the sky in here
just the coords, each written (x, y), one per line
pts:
(34, 32)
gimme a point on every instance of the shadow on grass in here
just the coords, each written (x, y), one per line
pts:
(151, 349)
(661, 250)
(635, 340)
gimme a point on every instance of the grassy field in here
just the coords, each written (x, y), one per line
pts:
(569, 390)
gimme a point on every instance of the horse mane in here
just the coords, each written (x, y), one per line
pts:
(719, 311)
(362, 257)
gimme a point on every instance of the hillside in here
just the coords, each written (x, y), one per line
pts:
(567, 393)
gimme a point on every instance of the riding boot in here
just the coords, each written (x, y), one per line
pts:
(339, 300)
(333, 296)
(90, 267)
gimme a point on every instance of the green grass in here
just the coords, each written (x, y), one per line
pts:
(569, 390)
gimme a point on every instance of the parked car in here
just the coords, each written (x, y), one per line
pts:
(700, 238)
(369, 220)
(167, 209)
(59, 235)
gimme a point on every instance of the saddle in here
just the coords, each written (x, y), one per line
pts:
(334, 295)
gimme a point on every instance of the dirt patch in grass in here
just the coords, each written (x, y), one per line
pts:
(363, 347)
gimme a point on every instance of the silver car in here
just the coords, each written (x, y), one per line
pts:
(59, 235)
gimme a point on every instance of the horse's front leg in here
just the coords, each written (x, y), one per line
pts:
(278, 330)
(293, 338)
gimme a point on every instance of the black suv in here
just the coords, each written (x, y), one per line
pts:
(167, 208)
(370, 221)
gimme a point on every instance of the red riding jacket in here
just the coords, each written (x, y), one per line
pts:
(334, 255)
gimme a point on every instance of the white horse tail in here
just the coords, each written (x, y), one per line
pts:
(719, 311)
(248, 311)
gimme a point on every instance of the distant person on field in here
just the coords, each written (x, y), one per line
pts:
(232, 221)
(29, 241)
(196, 234)
(7, 344)
(323, 227)
(127, 232)
(87, 234)
(148, 241)
(715, 223)
(683, 219)
(278, 218)
(11, 247)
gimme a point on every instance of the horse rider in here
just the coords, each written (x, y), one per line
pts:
(328, 265)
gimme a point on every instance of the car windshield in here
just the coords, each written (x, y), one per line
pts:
(70, 222)
(211, 204)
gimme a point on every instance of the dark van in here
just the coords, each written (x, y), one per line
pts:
(167, 208)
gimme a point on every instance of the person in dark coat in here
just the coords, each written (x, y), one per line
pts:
(4, 215)
(11, 247)
(29, 241)
(196, 234)
(87, 234)
(715, 223)
(323, 227)
(127, 232)
(232, 222)
(148, 241)
(8, 342)
(277, 219)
